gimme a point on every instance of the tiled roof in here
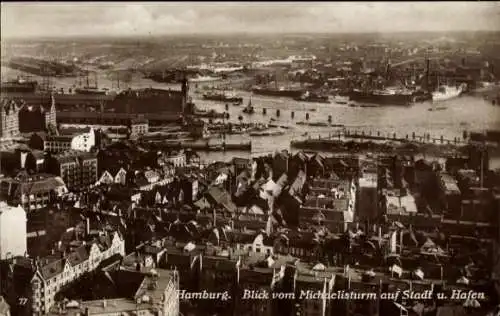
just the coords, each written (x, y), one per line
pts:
(218, 263)
(52, 269)
(78, 256)
(34, 184)
(221, 197)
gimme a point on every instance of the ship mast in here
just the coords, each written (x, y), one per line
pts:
(427, 73)
(87, 77)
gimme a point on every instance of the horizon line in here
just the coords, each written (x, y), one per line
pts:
(244, 33)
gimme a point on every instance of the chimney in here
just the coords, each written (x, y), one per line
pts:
(87, 226)
(24, 155)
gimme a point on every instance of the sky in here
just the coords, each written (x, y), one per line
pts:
(53, 19)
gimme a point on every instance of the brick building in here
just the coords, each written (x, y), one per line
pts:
(37, 117)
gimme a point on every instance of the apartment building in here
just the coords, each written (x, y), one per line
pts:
(51, 275)
(32, 192)
(13, 240)
(77, 169)
(59, 143)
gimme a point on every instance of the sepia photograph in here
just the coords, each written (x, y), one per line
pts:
(250, 158)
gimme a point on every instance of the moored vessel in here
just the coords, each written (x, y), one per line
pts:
(249, 108)
(339, 99)
(312, 97)
(446, 92)
(19, 85)
(223, 96)
(387, 96)
(278, 91)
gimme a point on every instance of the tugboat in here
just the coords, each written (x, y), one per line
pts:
(249, 108)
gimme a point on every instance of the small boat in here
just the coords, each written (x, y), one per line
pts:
(222, 96)
(353, 105)
(272, 119)
(445, 92)
(437, 108)
(368, 105)
(312, 97)
(267, 133)
(249, 108)
(313, 124)
(340, 99)
(318, 124)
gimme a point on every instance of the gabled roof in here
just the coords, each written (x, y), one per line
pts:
(222, 198)
(52, 269)
(78, 256)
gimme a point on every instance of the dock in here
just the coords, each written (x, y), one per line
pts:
(245, 146)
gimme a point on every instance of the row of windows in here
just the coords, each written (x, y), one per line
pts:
(54, 285)
(56, 145)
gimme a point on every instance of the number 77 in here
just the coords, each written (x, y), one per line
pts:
(22, 301)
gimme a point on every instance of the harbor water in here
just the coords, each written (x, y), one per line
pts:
(465, 113)
(461, 114)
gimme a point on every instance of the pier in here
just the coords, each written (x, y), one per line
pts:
(357, 141)
(393, 137)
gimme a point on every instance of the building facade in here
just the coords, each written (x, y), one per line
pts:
(37, 117)
(32, 191)
(77, 169)
(138, 127)
(50, 277)
(113, 176)
(177, 158)
(13, 240)
(9, 119)
(81, 142)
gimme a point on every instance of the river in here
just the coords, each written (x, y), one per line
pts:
(464, 113)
